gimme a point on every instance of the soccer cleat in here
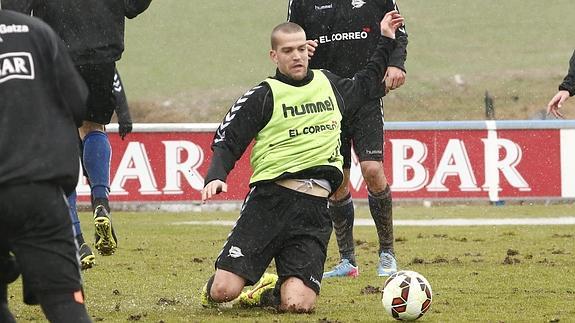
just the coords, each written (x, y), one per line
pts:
(343, 269)
(206, 300)
(106, 242)
(87, 258)
(387, 264)
(253, 297)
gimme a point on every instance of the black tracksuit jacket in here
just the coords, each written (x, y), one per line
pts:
(93, 30)
(347, 32)
(42, 102)
(253, 111)
(569, 80)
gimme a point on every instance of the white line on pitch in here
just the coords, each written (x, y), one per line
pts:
(433, 222)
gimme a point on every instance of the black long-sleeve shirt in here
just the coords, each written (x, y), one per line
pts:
(93, 30)
(347, 32)
(569, 80)
(252, 112)
(42, 102)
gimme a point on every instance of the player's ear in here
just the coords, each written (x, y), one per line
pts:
(274, 56)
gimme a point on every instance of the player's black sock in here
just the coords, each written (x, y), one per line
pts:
(64, 308)
(101, 201)
(381, 212)
(80, 239)
(342, 214)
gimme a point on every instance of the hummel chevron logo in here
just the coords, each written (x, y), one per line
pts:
(220, 133)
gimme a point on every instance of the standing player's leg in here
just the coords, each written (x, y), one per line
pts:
(341, 212)
(97, 149)
(87, 258)
(368, 141)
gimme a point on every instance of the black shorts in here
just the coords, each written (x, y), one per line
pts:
(100, 81)
(36, 225)
(364, 127)
(282, 224)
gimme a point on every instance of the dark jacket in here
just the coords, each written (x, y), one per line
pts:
(42, 102)
(347, 32)
(569, 80)
(253, 111)
(93, 30)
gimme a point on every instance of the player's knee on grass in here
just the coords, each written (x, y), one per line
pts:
(226, 286)
(296, 297)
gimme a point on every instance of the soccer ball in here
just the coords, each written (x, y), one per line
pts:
(406, 295)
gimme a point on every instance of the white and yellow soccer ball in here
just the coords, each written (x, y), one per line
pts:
(406, 295)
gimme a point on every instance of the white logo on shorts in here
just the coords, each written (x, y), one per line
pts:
(315, 281)
(235, 252)
(357, 3)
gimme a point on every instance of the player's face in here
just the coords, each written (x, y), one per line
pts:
(290, 54)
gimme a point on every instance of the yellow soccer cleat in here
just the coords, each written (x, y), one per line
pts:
(106, 241)
(253, 297)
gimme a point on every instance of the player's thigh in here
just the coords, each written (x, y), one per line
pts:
(252, 243)
(42, 238)
(304, 251)
(101, 101)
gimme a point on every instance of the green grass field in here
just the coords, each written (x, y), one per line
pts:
(478, 273)
(188, 60)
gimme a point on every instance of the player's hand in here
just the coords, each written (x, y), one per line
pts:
(390, 22)
(212, 188)
(124, 128)
(311, 45)
(556, 102)
(394, 78)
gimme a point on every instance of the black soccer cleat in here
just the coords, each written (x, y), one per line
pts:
(87, 258)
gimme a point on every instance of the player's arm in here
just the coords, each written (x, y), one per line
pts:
(396, 72)
(122, 109)
(247, 116)
(569, 80)
(135, 7)
(566, 90)
(365, 85)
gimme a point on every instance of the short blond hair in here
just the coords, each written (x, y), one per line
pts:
(285, 27)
